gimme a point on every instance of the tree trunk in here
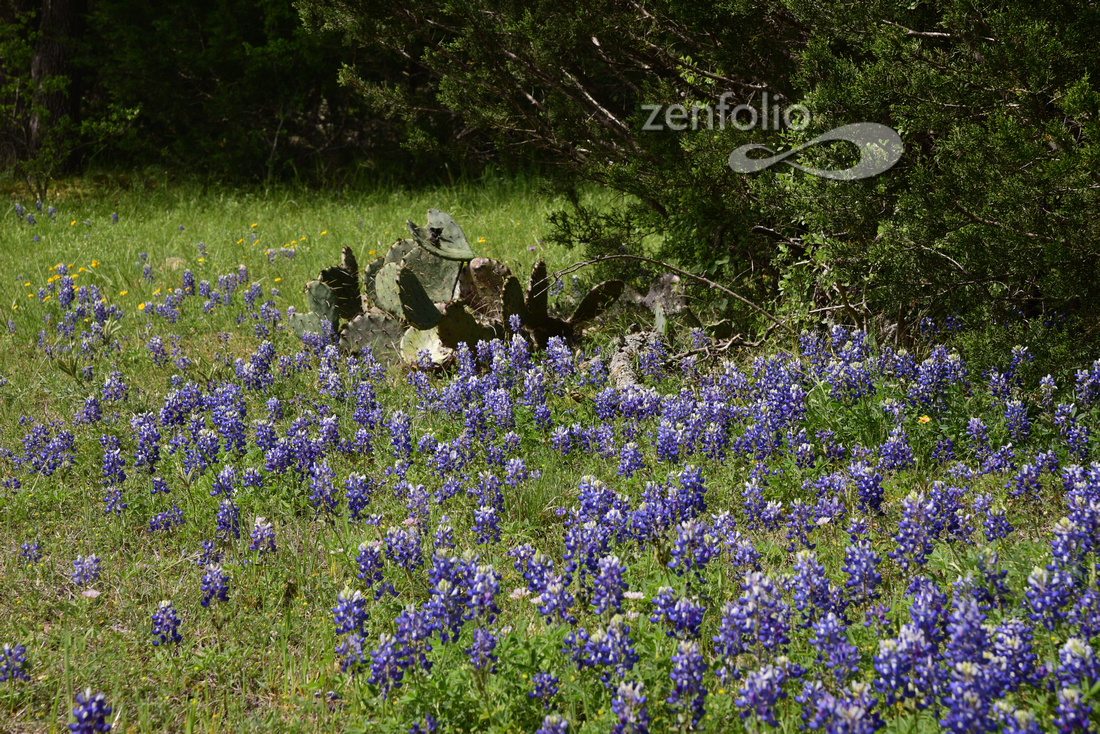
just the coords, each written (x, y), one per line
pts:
(60, 27)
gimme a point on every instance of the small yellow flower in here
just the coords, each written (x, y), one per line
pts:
(156, 292)
(325, 232)
(72, 223)
(240, 240)
(202, 259)
(81, 270)
(480, 240)
(369, 253)
(123, 293)
(304, 239)
(95, 263)
(141, 307)
(27, 283)
(255, 223)
(278, 279)
(923, 419)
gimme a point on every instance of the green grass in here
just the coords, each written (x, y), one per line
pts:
(264, 661)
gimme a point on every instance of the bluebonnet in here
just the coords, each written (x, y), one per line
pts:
(608, 587)
(681, 616)
(165, 521)
(1086, 613)
(215, 585)
(546, 687)
(758, 620)
(113, 462)
(762, 689)
(228, 520)
(223, 482)
(688, 695)
(1077, 663)
(359, 490)
(399, 425)
(555, 600)
(486, 524)
(144, 426)
(91, 713)
(114, 388)
(553, 724)
(403, 548)
(1013, 664)
(895, 454)
(693, 549)
(323, 497)
(209, 554)
(609, 647)
(995, 524)
(85, 570)
(30, 552)
(966, 702)
(831, 641)
(868, 485)
(13, 663)
(1049, 592)
(482, 650)
(166, 624)
(387, 667)
(1073, 712)
(1016, 420)
(913, 538)
(813, 593)
(263, 537)
(414, 630)
(629, 705)
(1014, 720)
(861, 566)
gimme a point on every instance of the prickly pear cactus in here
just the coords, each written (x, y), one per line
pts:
(542, 325)
(343, 280)
(307, 322)
(437, 276)
(386, 292)
(417, 341)
(442, 237)
(458, 326)
(596, 301)
(374, 329)
(416, 304)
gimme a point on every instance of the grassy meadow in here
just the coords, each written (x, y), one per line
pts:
(825, 527)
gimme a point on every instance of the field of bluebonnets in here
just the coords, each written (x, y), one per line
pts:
(210, 524)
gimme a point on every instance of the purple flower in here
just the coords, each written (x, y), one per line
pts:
(629, 705)
(546, 687)
(215, 585)
(91, 713)
(166, 624)
(85, 570)
(688, 696)
(482, 651)
(553, 724)
(263, 537)
(13, 663)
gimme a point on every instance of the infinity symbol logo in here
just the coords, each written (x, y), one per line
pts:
(880, 147)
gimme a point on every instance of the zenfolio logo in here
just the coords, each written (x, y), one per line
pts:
(879, 146)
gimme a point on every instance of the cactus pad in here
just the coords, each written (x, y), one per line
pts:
(416, 304)
(442, 237)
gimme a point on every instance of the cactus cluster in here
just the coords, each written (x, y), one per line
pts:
(435, 284)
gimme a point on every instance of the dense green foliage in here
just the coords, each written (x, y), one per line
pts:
(991, 212)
